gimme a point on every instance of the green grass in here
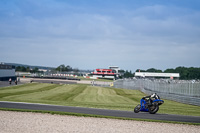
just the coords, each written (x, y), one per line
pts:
(88, 96)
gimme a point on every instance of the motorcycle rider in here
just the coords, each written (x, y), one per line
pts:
(149, 99)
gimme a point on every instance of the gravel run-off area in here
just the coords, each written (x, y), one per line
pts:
(26, 122)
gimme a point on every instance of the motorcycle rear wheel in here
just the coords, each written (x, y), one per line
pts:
(137, 108)
(153, 108)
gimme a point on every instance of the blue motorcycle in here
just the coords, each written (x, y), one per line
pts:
(149, 104)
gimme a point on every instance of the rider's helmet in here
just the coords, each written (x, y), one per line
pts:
(155, 96)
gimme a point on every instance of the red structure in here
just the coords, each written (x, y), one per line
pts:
(104, 73)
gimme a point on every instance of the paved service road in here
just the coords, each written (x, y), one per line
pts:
(116, 113)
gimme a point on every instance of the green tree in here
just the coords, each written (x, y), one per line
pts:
(128, 74)
(140, 70)
(185, 73)
(76, 70)
(63, 68)
(28, 69)
(18, 68)
(35, 70)
(23, 69)
(68, 68)
(153, 70)
(170, 70)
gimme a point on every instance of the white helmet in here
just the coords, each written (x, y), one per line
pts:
(153, 95)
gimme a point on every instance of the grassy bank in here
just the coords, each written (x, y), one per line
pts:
(88, 96)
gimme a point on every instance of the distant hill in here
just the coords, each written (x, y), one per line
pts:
(32, 67)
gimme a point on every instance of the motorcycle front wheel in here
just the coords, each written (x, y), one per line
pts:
(137, 108)
(153, 108)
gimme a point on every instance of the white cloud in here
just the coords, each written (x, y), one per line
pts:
(151, 36)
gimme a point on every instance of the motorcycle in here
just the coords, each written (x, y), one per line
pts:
(149, 105)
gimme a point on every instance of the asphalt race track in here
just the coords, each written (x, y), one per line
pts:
(116, 113)
(52, 81)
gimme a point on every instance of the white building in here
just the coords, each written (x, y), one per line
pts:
(116, 68)
(151, 74)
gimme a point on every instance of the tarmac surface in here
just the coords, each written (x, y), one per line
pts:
(104, 112)
(6, 83)
(51, 81)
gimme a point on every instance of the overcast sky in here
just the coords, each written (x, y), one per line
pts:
(90, 34)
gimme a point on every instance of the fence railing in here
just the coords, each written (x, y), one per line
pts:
(180, 91)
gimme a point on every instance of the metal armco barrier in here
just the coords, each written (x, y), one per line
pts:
(176, 90)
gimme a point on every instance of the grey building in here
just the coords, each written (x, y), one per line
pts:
(7, 72)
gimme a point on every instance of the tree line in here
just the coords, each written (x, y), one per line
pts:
(60, 68)
(63, 68)
(185, 73)
(27, 69)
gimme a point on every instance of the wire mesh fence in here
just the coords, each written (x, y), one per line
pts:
(177, 90)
